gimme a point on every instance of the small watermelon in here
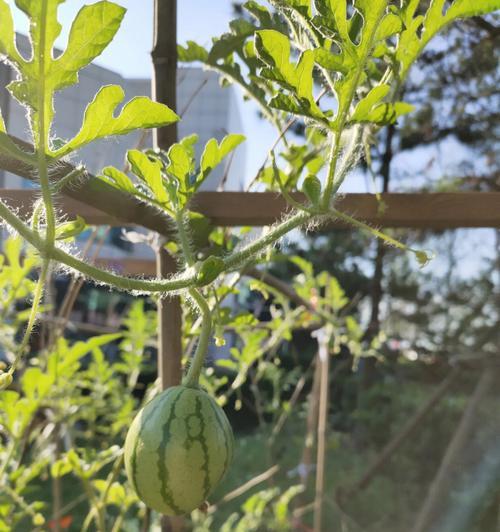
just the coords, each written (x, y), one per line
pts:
(177, 450)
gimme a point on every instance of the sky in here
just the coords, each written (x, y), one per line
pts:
(129, 53)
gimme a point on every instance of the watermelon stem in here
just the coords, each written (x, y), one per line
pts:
(193, 375)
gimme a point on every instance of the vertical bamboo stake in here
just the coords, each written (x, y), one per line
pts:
(164, 55)
(312, 423)
(324, 364)
(164, 85)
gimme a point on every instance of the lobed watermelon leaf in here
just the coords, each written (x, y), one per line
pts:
(150, 171)
(273, 48)
(43, 74)
(214, 154)
(100, 120)
(420, 30)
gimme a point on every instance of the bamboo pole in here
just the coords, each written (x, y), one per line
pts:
(324, 365)
(164, 87)
(164, 55)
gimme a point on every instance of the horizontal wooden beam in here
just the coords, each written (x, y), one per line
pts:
(417, 210)
(93, 192)
(420, 210)
(229, 209)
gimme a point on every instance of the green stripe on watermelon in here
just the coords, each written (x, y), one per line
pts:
(178, 448)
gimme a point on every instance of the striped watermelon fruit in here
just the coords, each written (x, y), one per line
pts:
(177, 450)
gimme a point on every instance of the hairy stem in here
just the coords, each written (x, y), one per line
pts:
(118, 281)
(345, 105)
(194, 372)
(257, 246)
(184, 239)
(422, 256)
(153, 286)
(41, 136)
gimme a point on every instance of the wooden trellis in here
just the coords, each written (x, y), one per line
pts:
(101, 204)
(432, 211)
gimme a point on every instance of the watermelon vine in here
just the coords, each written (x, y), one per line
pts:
(180, 445)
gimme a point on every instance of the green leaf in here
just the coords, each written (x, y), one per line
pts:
(181, 156)
(7, 35)
(369, 109)
(32, 87)
(354, 57)
(281, 507)
(273, 48)
(376, 95)
(312, 189)
(471, 8)
(391, 25)
(100, 121)
(150, 172)
(331, 61)
(388, 113)
(117, 179)
(419, 31)
(70, 229)
(191, 53)
(12, 250)
(10, 148)
(200, 229)
(44, 27)
(214, 153)
(303, 265)
(93, 29)
(259, 12)
(227, 43)
(60, 468)
(209, 270)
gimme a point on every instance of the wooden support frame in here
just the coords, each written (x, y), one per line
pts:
(444, 210)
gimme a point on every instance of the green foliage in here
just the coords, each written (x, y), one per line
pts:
(273, 48)
(72, 390)
(100, 121)
(39, 78)
(265, 510)
(421, 29)
(361, 53)
(170, 180)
